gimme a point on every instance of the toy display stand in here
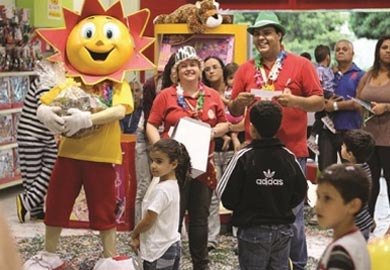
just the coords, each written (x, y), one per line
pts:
(13, 87)
(126, 186)
(227, 41)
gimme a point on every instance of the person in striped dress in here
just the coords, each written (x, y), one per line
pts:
(358, 145)
(37, 147)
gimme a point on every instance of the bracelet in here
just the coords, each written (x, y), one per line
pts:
(335, 106)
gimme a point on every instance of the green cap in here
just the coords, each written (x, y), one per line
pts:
(266, 18)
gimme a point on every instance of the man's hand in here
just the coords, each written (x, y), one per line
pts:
(287, 99)
(76, 120)
(329, 107)
(244, 99)
(237, 106)
(49, 117)
(312, 103)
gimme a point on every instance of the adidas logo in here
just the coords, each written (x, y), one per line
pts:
(269, 180)
(268, 173)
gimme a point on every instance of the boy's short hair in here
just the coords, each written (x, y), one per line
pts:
(266, 117)
(320, 53)
(306, 55)
(361, 143)
(350, 180)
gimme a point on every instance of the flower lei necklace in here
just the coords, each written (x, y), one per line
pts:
(261, 78)
(182, 101)
(105, 90)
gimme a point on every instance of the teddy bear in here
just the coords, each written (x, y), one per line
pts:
(199, 16)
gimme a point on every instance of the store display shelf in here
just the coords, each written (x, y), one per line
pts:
(17, 73)
(10, 183)
(8, 146)
(9, 111)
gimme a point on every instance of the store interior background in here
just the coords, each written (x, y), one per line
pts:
(156, 7)
(39, 16)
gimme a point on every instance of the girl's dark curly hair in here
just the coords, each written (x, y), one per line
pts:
(175, 151)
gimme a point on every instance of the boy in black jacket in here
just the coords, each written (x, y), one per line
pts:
(262, 184)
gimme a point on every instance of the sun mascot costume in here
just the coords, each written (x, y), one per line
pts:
(96, 47)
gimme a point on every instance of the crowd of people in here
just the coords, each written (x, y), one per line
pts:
(256, 163)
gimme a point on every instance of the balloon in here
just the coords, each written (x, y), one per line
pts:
(379, 250)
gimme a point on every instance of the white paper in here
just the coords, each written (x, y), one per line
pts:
(265, 94)
(311, 193)
(366, 105)
(195, 135)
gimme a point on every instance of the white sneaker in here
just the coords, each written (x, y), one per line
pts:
(119, 262)
(44, 261)
(328, 123)
(313, 146)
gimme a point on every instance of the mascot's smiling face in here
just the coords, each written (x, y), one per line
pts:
(99, 45)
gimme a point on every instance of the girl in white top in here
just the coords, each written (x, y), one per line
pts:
(342, 191)
(156, 236)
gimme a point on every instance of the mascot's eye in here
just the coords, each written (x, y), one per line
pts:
(88, 30)
(111, 30)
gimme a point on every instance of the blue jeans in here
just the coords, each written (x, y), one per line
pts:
(170, 260)
(298, 250)
(264, 247)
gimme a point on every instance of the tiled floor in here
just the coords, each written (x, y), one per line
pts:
(30, 229)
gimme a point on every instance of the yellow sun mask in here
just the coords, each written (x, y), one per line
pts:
(99, 45)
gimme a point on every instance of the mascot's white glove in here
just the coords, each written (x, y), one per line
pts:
(49, 117)
(76, 120)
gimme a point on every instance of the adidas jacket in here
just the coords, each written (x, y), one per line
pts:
(262, 184)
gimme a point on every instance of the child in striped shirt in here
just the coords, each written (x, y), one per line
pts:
(358, 145)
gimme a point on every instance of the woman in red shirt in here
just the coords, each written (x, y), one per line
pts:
(189, 97)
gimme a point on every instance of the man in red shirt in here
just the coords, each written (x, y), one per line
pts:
(294, 76)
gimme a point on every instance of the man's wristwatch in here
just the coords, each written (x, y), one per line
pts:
(335, 106)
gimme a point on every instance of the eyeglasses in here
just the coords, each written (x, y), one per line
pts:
(213, 67)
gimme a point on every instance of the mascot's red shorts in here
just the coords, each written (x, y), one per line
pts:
(98, 180)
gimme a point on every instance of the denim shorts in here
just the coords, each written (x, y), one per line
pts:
(170, 260)
(264, 247)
